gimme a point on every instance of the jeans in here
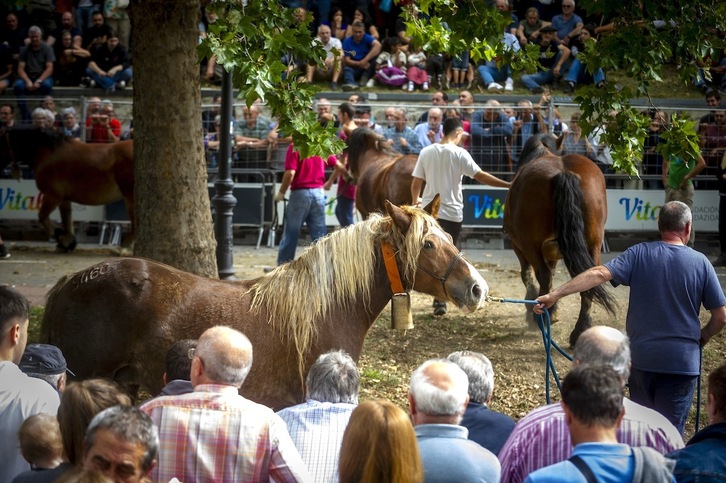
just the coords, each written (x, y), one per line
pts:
(344, 211)
(83, 16)
(578, 75)
(669, 394)
(350, 74)
(106, 83)
(490, 73)
(305, 206)
(537, 79)
(21, 91)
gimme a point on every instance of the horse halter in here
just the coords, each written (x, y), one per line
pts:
(445, 276)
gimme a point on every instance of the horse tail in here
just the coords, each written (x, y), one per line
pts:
(50, 301)
(569, 225)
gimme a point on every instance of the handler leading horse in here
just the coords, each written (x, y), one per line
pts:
(556, 209)
(67, 170)
(118, 318)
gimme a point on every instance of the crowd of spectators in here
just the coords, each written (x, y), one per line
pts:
(199, 428)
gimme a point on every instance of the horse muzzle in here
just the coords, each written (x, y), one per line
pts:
(470, 295)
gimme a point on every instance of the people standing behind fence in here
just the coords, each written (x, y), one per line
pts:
(466, 99)
(431, 131)
(704, 457)
(652, 162)
(721, 183)
(573, 142)
(491, 133)
(712, 138)
(7, 115)
(70, 127)
(402, 138)
(41, 445)
(440, 99)
(317, 425)
(305, 178)
(527, 123)
(667, 336)
(110, 65)
(42, 118)
(488, 428)
(102, 127)
(35, 70)
(70, 61)
(251, 137)
(211, 143)
(541, 438)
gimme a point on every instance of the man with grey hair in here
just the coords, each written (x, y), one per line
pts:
(437, 398)
(46, 362)
(122, 443)
(667, 335)
(401, 137)
(317, 425)
(542, 437)
(486, 427)
(35, 70)
(215, 420)
(490, 132)
(431, 131)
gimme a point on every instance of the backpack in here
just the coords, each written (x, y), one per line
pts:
(650, 467)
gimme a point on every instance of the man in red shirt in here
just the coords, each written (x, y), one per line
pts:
(102, 127)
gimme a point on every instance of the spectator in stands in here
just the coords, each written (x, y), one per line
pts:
(390, 115)
(20, 396)
(492, 73)
(7, 68)
(209, 115)
(360, 50)
(215, 419)
(110, 66)
(122, 443)
(527, 123)
(488, 428)
(103, 127)
(97, 34)
(568, 24)
(437, 398)
(652, 162)
(14, 35)
(528, 31)
(458, 68)
(703, 458)
(333, 64)
(66, 26)
(379, 445)
(713, 100)
(317, 425)
(211, 144)
(48, 103)
(84, 13)
(717, 68)
(35, 70)
(490, 133)
(338, 25)
(577, 73)
(7, 115)
(364, 118)
(117, 18)
(541, 438)
(360, 14)
(466, 100)
(46, 362)
(70, 61)
(572, 141)
(391, 64)
(416, 70)
(41, 446)
(402, 138)
(592, 400)
(251, 136)
(70, 127)
(325, 113)
(41, 118)
(440, 99)
(431, 131)
(503, 6)
(553, 56)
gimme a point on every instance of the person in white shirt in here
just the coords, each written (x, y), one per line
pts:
(331, 68)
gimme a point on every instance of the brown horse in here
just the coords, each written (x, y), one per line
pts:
(117, 318)
(381, 173)
(67, 170)
(556, 209)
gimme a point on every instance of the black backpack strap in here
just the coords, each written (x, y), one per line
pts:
(584, 469)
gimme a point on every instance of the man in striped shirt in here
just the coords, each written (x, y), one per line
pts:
(317, 425)
(542, 438)
(213, 433)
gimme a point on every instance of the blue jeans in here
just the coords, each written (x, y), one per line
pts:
(344, 211)
(490, 73)
(107, 83)
(21, 91)
(305, 206)
(578, 75)
(538, 78)
(350, 74)
(669, 394)
(83, 16)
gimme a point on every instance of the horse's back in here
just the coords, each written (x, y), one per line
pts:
(389, 180)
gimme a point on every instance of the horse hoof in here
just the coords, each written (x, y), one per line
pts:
(440, 309)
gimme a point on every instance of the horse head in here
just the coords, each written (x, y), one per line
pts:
(366, 145)
(438, 267)
(537, 146)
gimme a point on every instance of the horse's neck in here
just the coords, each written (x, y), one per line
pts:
(370, 159)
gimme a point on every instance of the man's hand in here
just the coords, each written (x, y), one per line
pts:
(544, 302)
(279, 196)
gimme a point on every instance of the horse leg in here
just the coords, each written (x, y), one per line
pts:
(584, 321)
(67, 241)
(49, 204)
(531, 287)
(545, 275)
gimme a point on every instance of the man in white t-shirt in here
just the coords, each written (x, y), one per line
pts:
(442, 166)
(331, 69)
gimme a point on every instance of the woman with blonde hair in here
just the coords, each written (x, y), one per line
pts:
(379, 445)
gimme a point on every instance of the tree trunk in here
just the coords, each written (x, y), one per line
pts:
(172, 201)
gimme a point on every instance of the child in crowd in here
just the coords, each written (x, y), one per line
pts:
(416, 71)
(40, 442)
(391, 63)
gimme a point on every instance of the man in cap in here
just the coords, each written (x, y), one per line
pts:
(46, 362)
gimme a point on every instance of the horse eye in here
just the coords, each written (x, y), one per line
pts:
(428, 245)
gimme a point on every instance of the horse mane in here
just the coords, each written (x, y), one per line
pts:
(362, 140)
(537, 146)
(335, 272)
(27, 140)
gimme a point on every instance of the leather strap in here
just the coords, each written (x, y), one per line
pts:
(389, 260)
(584, 469)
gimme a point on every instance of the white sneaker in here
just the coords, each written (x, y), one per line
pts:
(494, 87)
(410, 86)
(121, 84)
(509, 84)
(371, 83)
(425, 86)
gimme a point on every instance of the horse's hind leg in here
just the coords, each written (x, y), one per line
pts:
(67, 241)
(545, 275)
(49, 204)
(530, 284)
(584, 321)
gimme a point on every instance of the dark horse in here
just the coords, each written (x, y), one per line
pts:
(67, 170)
(118, 318)
(381, 173)
(556, 209)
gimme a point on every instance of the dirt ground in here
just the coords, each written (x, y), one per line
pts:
(499, 330)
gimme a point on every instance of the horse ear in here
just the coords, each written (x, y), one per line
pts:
(399, 217)
(433, 207)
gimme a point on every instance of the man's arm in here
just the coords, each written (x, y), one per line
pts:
(565, 54)
(700, 166)
(485, 178)
(373, 53)
(23, 75)
(588, 279)
(285, 184)
(416, 185)
(714, 326)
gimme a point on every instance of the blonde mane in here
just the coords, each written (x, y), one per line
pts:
(335, 272)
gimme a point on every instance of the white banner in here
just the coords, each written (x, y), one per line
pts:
(20, 200)
(637, 210)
